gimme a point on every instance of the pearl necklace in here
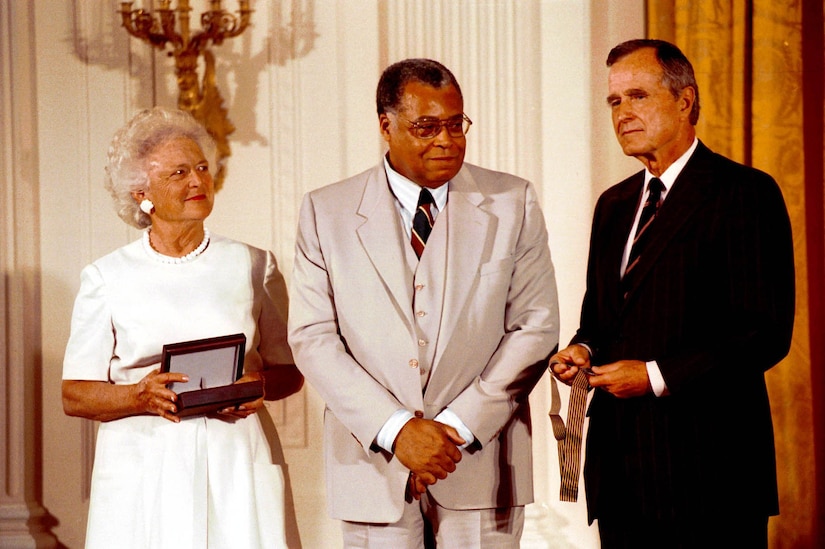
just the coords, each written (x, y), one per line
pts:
(175, 260)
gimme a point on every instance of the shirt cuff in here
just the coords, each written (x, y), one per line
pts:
(388, 433)
(657, 382)
(448, 417)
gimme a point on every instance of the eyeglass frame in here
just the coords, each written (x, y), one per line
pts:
(438, 122)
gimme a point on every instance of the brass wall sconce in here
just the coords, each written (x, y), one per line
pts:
(159, 27)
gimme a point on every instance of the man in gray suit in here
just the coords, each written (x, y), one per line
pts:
(423, 308)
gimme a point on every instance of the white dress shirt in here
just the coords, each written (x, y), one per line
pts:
(668, 177)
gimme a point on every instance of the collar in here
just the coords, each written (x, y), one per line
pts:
(406, 192)
(669, 176)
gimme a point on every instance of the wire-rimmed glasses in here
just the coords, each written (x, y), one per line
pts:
(428, 128)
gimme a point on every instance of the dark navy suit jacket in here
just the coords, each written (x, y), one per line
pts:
(712, 301)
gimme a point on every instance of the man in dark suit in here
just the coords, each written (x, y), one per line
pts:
(678, 328)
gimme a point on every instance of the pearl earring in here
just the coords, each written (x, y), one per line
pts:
(147, 207)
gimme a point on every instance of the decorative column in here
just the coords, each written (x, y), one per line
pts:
(23, 521)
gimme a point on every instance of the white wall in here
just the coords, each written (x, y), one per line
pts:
(302, 99)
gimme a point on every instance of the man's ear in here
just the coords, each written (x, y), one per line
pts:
(384, 125)
(138, 196)
(687, 98)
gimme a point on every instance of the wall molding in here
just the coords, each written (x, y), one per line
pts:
(23, 520)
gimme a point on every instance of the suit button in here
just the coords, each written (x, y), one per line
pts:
(420, 313)
(419, 414)
(422, 343)
(413, 363)
(419, 287)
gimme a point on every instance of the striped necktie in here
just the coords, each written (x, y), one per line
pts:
(422, 223)
(651, 206)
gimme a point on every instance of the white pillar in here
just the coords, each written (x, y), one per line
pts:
(23, 520)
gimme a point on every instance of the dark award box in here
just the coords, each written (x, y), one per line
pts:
(213, 365)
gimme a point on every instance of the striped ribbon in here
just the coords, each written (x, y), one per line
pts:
(569, 438)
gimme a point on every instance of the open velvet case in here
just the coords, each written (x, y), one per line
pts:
(213, 365)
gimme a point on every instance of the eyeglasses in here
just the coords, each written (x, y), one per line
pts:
(428, 129)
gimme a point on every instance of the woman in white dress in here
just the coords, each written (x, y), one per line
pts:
(160, 480)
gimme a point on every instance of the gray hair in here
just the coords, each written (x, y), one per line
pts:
(677, 72)
(398, 75)
(126, 168)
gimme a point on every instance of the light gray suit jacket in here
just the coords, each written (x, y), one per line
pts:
(352, 332)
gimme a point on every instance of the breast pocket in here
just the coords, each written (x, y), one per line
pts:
(497, 266)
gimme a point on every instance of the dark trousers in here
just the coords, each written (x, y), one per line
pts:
(705, 533)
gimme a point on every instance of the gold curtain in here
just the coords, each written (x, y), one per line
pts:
(747, 55)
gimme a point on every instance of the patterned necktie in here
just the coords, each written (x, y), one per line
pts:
(654, 200)
(422, 222)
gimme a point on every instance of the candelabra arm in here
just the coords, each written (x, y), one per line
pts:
(219, 25)
(167, 23)
(141, 24)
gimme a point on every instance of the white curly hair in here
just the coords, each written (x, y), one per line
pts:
(126, 168)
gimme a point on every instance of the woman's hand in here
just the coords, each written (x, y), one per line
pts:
(104, 401)
(247, 408)
(151, 395)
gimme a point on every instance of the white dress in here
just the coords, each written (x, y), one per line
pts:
(203, 482)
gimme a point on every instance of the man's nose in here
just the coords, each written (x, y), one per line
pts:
(623, 111)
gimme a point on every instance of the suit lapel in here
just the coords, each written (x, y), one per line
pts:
(382, 239)
(620, 215)
(467, 228)
(688, 193)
